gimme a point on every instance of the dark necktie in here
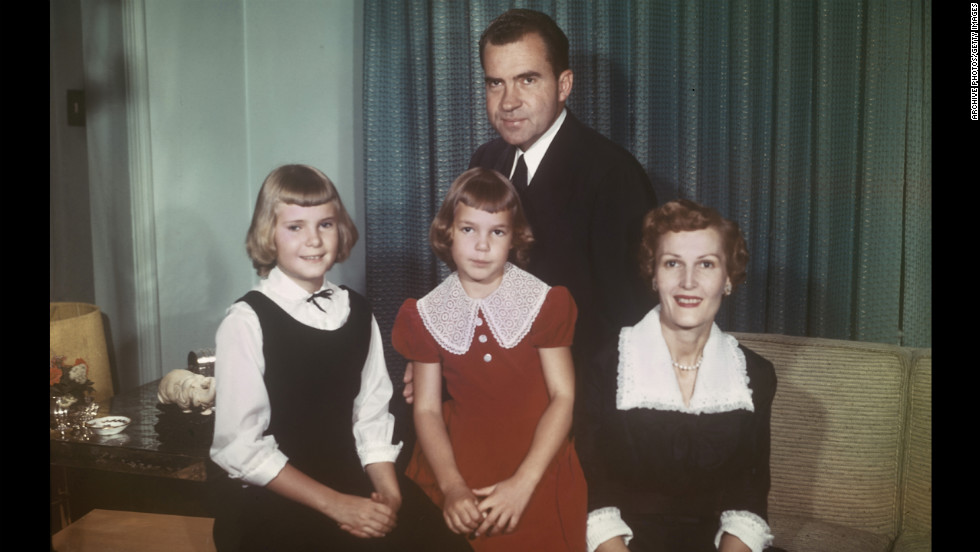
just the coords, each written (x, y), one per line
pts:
(325, 293)
(520, 174)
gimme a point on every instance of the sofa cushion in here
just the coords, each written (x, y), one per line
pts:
(802, 534)
(917, 479)
(837, 434)
(914, 542)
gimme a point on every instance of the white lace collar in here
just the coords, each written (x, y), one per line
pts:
(451, 316)
(647, 380)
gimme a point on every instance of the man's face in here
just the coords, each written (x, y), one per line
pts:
(523, 96)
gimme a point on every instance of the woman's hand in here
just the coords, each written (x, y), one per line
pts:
(615, 544)
(363, 517)
(731, 543)
(409, 380)
(460, 510)
(502, 505)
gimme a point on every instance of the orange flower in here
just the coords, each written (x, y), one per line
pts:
(69, 380)
(55, 374)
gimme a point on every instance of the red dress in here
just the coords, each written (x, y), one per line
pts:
(499, 395)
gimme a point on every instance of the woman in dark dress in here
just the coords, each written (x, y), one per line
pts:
(675, 436)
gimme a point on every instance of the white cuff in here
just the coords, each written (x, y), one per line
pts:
(267, 470)
(378, 453)
(748, 527)
(604, 524)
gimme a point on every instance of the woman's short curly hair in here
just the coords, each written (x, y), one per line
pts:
(486, 190)
(301, 185)
(684, 215)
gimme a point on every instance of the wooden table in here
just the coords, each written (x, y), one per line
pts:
(137, 470)
(118, 531)
(139, 449)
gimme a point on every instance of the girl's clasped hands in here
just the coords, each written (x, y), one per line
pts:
(488, 511)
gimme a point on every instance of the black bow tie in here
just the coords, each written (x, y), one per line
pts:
(325, 294)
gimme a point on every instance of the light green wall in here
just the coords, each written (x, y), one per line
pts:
(230, 90)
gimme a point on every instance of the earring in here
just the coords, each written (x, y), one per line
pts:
(728, 288)
(654, 284)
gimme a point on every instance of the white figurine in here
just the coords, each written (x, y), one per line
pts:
(187, 390)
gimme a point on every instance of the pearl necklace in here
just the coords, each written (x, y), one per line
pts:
(687, 368)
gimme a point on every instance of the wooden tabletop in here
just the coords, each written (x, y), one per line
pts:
(119, 531)
(148, 446)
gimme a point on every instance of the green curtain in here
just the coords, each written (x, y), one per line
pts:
(807, 122)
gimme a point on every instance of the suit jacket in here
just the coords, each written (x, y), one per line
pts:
(585, 204)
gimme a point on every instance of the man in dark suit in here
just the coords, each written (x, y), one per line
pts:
(584, 196)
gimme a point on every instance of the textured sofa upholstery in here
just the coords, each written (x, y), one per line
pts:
(851, 457)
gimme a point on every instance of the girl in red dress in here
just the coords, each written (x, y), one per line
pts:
(496, 457)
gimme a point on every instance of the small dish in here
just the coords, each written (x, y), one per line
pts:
(108, 425)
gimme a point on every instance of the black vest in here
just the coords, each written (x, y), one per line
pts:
(312, 377)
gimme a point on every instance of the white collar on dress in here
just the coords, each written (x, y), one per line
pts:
(451, 316)
(646, 376)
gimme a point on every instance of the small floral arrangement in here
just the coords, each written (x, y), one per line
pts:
(69, 382)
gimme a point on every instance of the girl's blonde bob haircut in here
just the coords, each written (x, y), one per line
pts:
(301, 185)
(684, 215)
(489, 191)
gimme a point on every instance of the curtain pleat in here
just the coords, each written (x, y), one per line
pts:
(837, 94)
(916, 297)
(399, 187)
(789, 240)
(809, 123)
(881, 187)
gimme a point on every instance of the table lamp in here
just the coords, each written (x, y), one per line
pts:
(77, 332)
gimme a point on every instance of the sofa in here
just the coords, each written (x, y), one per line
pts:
(851, 458)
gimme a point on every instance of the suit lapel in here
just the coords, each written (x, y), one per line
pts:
(554, 177)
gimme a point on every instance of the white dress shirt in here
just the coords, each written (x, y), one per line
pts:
(242, 410)
(535, 153)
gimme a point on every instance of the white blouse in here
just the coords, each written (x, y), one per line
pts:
(242, 410)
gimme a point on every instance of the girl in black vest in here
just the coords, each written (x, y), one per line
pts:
(298, 361)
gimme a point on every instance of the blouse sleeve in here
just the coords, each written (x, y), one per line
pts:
(374, 425)
(242, 410)
(745, 499)
(555, 323)
(410, 337)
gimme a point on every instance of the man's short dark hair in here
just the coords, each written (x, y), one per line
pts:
(514, 24)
